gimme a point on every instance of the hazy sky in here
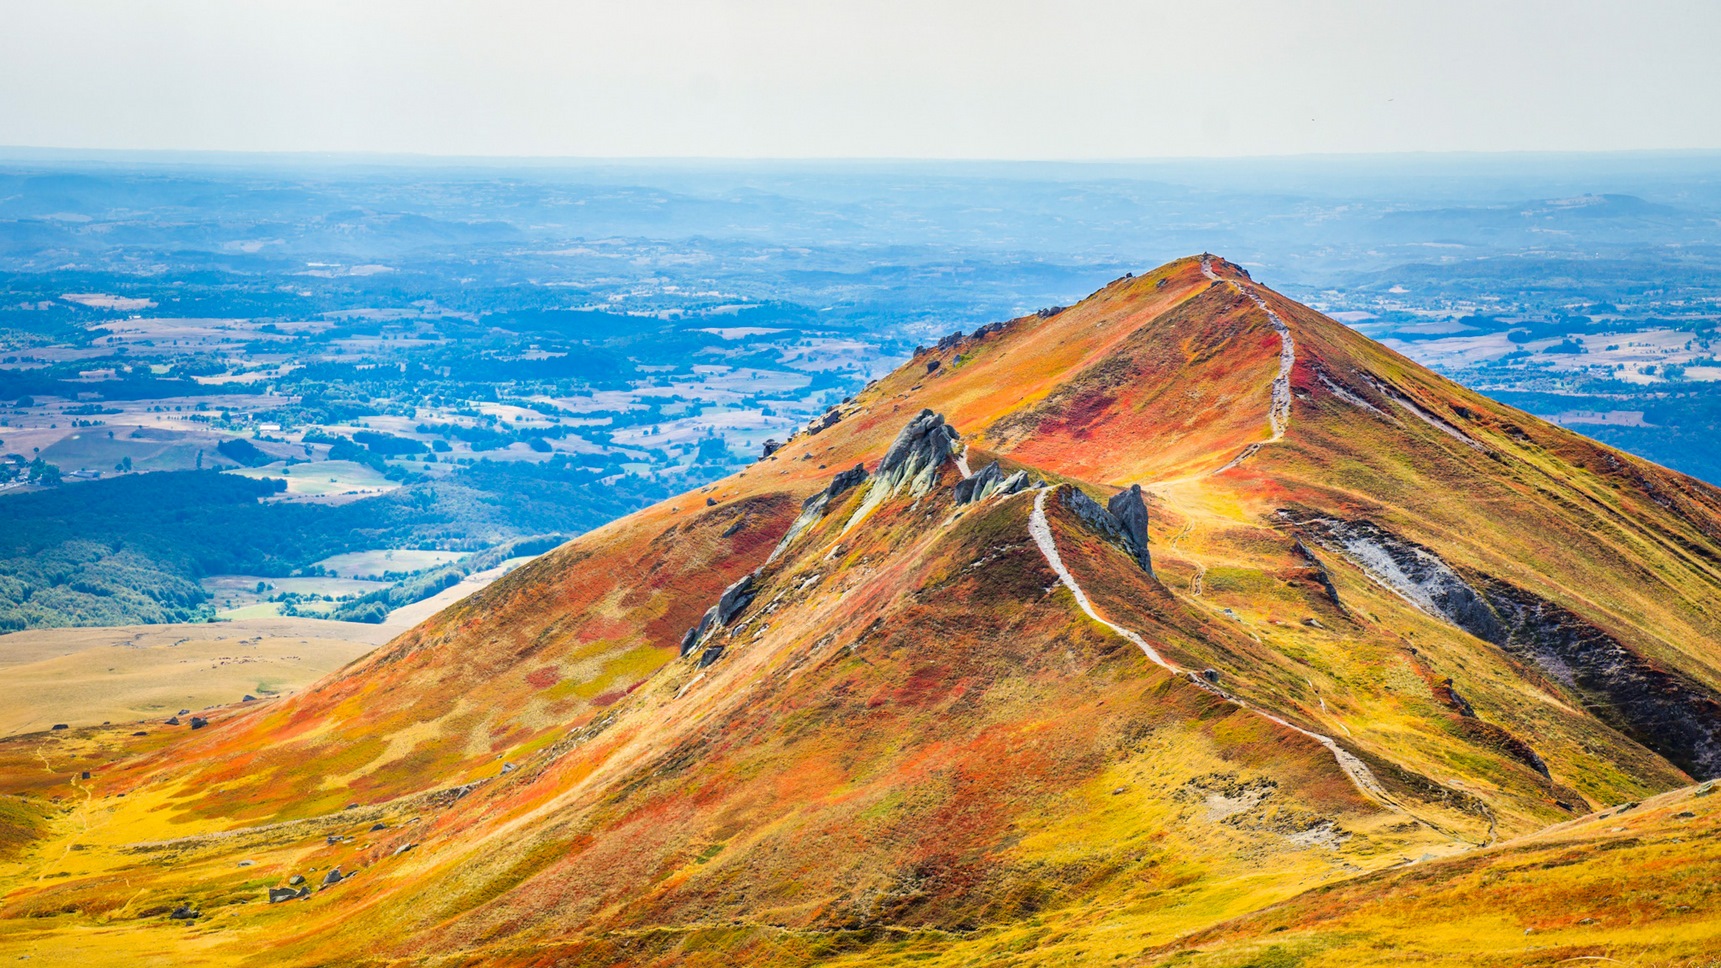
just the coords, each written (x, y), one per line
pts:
(883, 78)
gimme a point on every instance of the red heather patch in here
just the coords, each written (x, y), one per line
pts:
(543, 678)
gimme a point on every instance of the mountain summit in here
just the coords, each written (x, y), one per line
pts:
(1183, 625)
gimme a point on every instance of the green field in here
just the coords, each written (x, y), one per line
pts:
(380, 561)
(323, 478)
(161, 450)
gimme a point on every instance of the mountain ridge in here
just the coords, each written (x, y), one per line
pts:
(809, 713)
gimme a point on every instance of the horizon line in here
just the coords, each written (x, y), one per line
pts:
(49, 153)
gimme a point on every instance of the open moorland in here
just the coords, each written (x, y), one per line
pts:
(1185, 625)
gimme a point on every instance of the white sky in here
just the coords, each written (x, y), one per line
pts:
(1078, 79)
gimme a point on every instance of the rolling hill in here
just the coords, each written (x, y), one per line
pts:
(1181, 626)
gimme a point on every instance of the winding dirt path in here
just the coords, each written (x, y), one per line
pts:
(1279, 413)
(1358, 772)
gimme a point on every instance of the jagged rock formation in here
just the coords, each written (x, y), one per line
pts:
(916, 455)
(913, 462)
(988, 481)
(1129, 509)
(1128, 532)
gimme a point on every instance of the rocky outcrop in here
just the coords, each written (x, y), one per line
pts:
(1109, 525)
(1678, 718)
(814, 508)
(916, 455)
(1413, 572)
(771, 447)
(736, 597)
(1097, 519)
(1130, 511)
(913, 461)
(990, 480)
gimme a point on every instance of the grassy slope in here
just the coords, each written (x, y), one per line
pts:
(917, 758)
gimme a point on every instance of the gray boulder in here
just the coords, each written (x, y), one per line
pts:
(332, 878)
(279, 894)
(736, 597)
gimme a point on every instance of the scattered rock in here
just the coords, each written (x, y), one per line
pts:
(85, 775)
(333, 839)
(1684, 815)
(932, 366)
(296, 880)
(1211, 675)
(171, 721)
(198, 722)
(403, 848)
(506, 768)
(1049, 312)
(710, 655)
(247, 863)
(279, 894)
(61, 726)
(949, 341)
(731, 531)
(378, 826)
(332, 878)
(185, 712)
(140, 733)
(185, 913)
(771, 447)
(249, 698)
(710, 502)
(1704, 789)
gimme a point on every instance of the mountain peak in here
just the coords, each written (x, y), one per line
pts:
(1234, 589)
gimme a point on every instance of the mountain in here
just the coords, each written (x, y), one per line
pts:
(1180, 626)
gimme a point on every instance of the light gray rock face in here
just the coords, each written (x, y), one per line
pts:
(1124, 523)
(1674, 715)
(815, 507)
(989, 481)
(1129, 509)
(916, 455)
